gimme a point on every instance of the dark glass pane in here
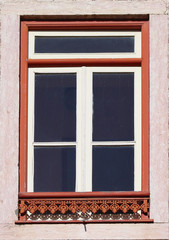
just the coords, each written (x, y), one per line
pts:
(54, 169)
(55, 107)
(113, 117)
(113, 168)
(83, 44)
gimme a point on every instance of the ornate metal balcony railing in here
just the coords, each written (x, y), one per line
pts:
(84, 207)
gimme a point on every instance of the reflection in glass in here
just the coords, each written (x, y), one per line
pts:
(55, 107)
(85, 44)
(113, 110)
(54, 169)
(113, 168)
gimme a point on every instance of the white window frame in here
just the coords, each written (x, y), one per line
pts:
(84, 141)
(135, 54)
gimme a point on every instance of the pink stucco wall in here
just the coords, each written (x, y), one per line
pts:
(9, 119)
(158, 117)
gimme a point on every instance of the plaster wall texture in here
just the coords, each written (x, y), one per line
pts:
(158, 115)
(82, 7)
(9, 118)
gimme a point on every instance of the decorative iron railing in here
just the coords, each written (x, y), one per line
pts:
(44, 207)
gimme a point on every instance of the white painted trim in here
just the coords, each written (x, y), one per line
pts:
(30, 132)
(55, 70)
(137, 45)
(36, 144)
(31, 143)
(127, 143)
(82, 120)
(137, 119)
(88, 128)
(137, 129)
(84, 143)
(33, 55)
(79, 131)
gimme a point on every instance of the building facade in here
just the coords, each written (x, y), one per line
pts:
(14, 14)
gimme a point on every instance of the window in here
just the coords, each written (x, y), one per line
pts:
(85, 90)
(85, 129)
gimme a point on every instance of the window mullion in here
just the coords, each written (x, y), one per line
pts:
(88, 128)
(80, 132)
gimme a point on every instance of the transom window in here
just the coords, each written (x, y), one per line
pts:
(84, 44)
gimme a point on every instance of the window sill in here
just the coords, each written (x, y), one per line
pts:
(116, 207)
(86, 222)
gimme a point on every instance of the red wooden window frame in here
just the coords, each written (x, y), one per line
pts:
(143, 62)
